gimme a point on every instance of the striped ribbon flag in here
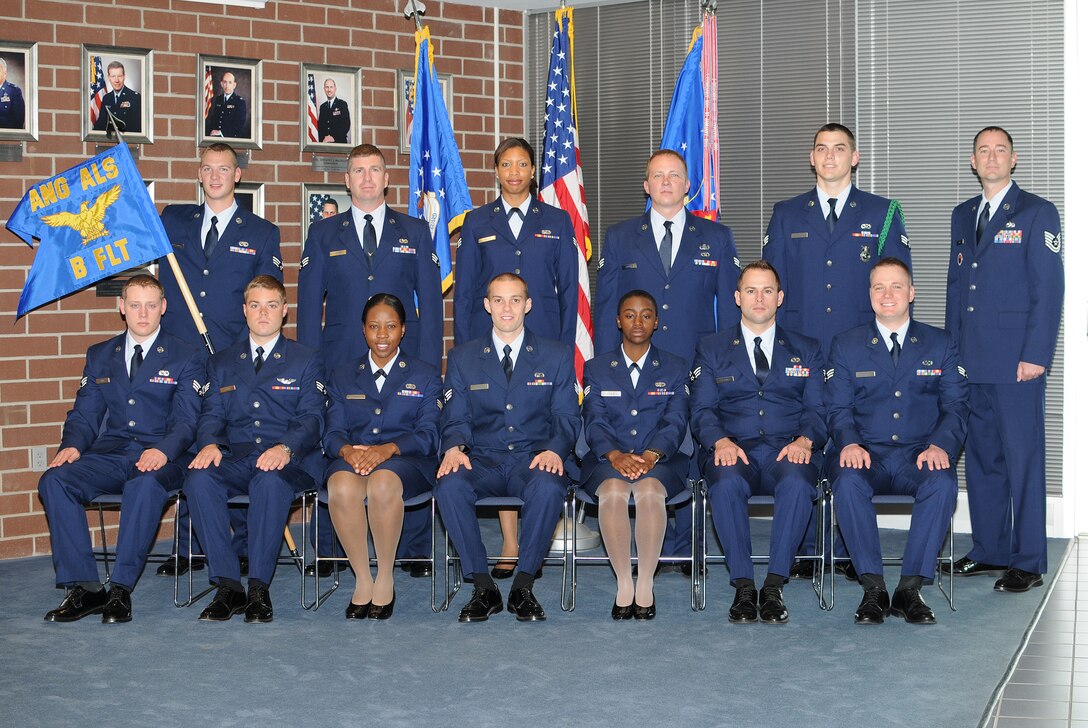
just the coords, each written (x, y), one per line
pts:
(311, 109)
(561, 170)
(97, 85)
(209, 90)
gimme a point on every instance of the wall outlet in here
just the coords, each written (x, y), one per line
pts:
(39, 458)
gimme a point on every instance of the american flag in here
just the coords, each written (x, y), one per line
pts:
(561, 170)
(97, 83)
(317, 204)
(209, 90)
(311, 109)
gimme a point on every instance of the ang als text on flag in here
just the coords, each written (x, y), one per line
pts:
(561, 169)
(438, 190)
(94, 220)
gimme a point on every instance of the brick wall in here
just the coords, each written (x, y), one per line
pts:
(41, 355)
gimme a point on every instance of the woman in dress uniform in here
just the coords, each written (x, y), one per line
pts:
(382, 429)
(635, 415)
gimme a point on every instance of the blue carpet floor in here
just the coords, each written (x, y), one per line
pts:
(575, 669)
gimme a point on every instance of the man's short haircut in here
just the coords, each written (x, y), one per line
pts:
(220, 147)
(666, 153)
(143, 280)
(991, 128)
(115, 64)
(3, 64)
(637, 293)
(332, 201)
(759, 265)
(892, 262)
(327, 80)
(366, 150)
(836, 128)
(268, 283)
(512, 277)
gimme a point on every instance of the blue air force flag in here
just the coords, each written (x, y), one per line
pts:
(94, 220)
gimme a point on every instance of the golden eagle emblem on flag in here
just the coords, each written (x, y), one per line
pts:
(88, 221)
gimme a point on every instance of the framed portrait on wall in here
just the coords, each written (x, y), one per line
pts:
(18, 91)
(117, 85)
(406, 81)
(248, 195)
(320, 201)
(331, 110)
(228, 101)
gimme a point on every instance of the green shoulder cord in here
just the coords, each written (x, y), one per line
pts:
(892, 209)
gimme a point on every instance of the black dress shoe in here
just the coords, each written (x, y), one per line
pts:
(1018, 580)
(483, 604)
(969, 567)
(382, 611)
(226, 604)
(846, 568)
(118, 606)
(327, 565)
(908, 604)
(802, 569)
(645, 613)
(772, 607)
(619, 612)
(259, 606)
(357, 611)
(523, 605)
(417, 569)
(243, 565)
(184, 565)
(501, 573)
(874, 605)
(743, 610)
(77, 604)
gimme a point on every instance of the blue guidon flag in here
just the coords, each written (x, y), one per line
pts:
(94, 220)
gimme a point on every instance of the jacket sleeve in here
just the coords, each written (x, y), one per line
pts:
(774, 252)
(303, 435)
(952, 423)
(337, 430)
(706, 425)
(423, 440)
(465, 300)
(567, 286)
(311, 291)
(952, 292)
(839, 397)
(728, 272)
(429, 292)
(271, 262)
(84, 420)
(814, 417)
(185, 406)
(674, 422)
(457, 414)
(600, 435)
(564, 408)
(212, 426)
(1046, 286)
(605, 335)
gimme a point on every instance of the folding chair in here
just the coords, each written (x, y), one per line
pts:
(899, 502)
(322, 497)
(820, 504)
(113, 501)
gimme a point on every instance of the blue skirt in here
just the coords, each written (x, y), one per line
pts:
(672, 473)
(417, 474)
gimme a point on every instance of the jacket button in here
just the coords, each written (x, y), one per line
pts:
(509, 406)
(370, 278)
(257, 405)
(895, 415)
(206, 272)
(509, 447)
(378, 411)
(132, 401)
(761, 413)
(517, 271)
(971, 287)
(829, 264)
(376, 430)
(829, 309)
(257, 440)
(667, 286)
(256, 423)
(634, 432)
(974, 265)
(970, 309)
(203, 294)
(634, 413)
(895, 438)
(664, 307)
(898, 393)
(510, 428)
(132, 423)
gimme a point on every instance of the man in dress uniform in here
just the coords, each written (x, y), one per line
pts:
(134, 418)
(510, 419)
(333, 118)
(896, 398)
(227, 116)
(688, 264)
(823, 243)
(12, 106)
(1005, 288)
(370, 248)
(220, 247)
(260, 428)
(757, 410)
(122, 101)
